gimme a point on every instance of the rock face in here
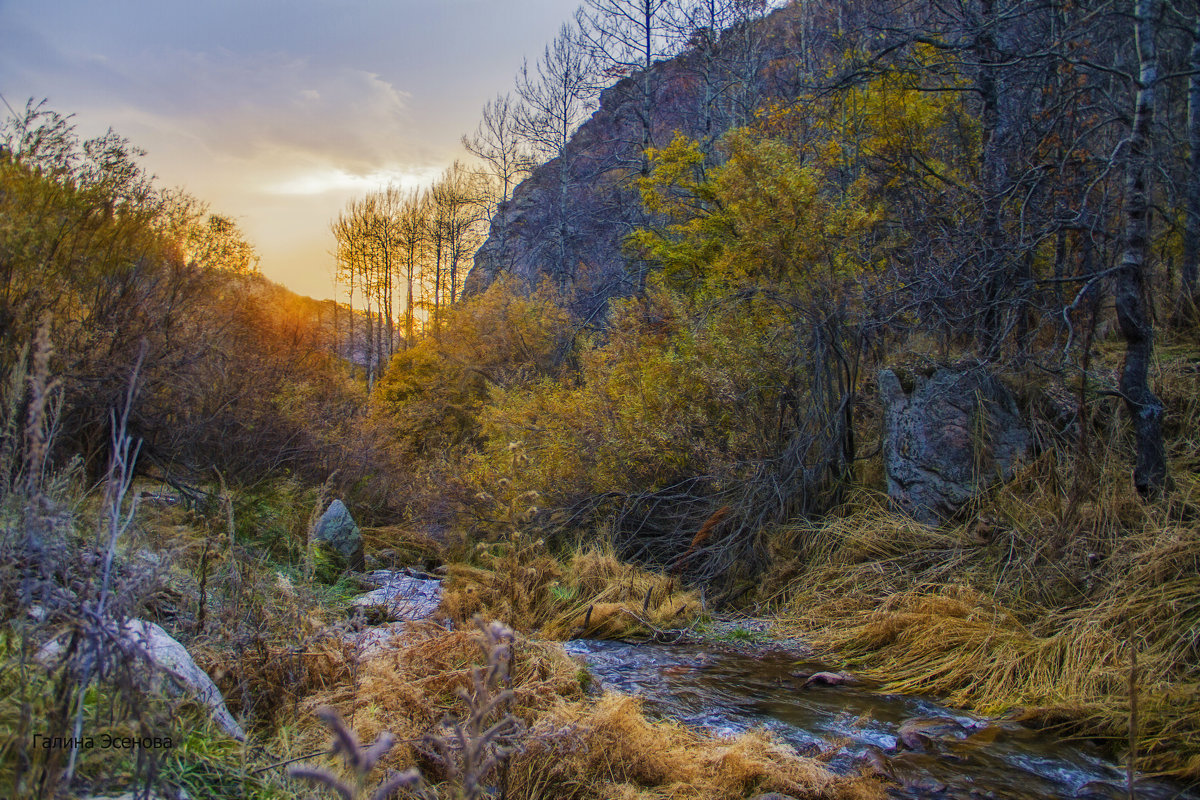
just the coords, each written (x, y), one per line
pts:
(399, 598)
(948, 436)
(168, 661)
(336, 530)
(579, 243)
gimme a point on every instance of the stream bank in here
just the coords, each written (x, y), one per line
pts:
(928, 750)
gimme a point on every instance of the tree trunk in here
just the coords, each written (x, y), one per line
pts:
(1146, 410)
(408, 301)
(996, 283)
(1190, 296)
(350, 303)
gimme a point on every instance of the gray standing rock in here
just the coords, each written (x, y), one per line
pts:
(948, 436)
(336, 530)
(166, 659)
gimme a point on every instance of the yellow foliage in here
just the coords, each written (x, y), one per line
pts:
(433, 392)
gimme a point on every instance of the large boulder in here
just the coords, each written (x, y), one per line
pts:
(948, 435)
(337, 530)
(166, 663)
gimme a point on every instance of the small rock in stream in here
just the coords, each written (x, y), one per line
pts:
(827, 679)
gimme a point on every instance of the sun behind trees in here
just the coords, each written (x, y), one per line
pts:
(406, 254)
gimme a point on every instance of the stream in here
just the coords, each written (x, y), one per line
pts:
(930, 750)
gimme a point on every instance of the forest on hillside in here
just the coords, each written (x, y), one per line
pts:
(872, 326)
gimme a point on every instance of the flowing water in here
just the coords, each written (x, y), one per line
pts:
(957, 755)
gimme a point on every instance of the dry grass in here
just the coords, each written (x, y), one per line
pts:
(553, 597)
(574, 748)
(608, 749)
(397, 545)
(408, 688)
(1033, 603)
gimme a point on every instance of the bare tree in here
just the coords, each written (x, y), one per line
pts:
(1190, 297)
(1132, 278)
(369, 252)
(412, 237)
(454, 226)
(556, 101)
(497, 141)
(625, 38)
(726, 53)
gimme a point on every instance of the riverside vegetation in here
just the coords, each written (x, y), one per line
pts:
(620, 431)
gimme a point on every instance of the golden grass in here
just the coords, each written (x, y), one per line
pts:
(1033, 605)
(552, 597)
(574, 748)
(609, 749)
(405, 545)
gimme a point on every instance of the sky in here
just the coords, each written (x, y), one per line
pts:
(276, 113)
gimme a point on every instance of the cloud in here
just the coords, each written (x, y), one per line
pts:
(248, 106)
(276, 114)
(337, 180)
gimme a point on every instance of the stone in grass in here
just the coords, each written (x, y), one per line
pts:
(144, 643)
(337, 532)
(399, 598)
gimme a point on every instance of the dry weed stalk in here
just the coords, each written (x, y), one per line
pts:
(474, 745)
(361, 760)
(114, 523)
(468, 750)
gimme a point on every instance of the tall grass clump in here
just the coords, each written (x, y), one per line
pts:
(517, 572)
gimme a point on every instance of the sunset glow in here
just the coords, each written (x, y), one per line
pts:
(275, 121)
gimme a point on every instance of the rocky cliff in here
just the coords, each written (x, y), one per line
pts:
(598, 168)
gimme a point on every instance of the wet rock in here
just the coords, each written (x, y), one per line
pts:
(877, 763)
(925, 785)
(828, 679)
(937, 727)
(337, 530)
(400, 597)
(1100, 790)
(168, 663)
(914, 741)
(947, 436)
